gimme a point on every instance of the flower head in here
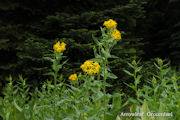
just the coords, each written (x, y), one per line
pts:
(110, 23)
(90, 67)
(116, 34)
(59, 47)
(73, 77)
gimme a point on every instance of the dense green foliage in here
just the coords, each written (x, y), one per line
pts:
(34, 81)
(85, 97)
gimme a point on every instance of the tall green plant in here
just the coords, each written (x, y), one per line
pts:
(160, 96)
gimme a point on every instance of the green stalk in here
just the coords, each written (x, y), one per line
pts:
(99, 50)
(104, 89)
(55, 80)
(135, 81)
(98, 77)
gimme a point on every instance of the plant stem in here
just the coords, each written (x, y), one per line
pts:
(135, 81)
(104, 89)
(55, 80)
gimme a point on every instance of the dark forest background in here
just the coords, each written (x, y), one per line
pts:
(29, 28)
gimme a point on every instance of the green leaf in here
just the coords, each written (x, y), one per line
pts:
(7, 115)
(133, 108)
(166, 71)
(132, 50)
(138, 69)
(58, 67)
(49, 73)
(145, 110)
(65, 62)
(130, 65)
(118, 118)
(100, 96)
(156, 89)
(17, 107)
(117, 99)
(105, 53)
(157, 66)
(131, 86)
(99, 60)
(161, 110)
(116, 106)
(111, 75)
(111, 40)
(58, 55)
(49, 59)
(128, 73)
(137, 81)
(113, 56)
(132, 100)
(96, 41)
(75, 89)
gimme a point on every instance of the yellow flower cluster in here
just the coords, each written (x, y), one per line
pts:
(113, 24)
(59, 47)
(73, 77)
(90, 67)
(116, 34)
(110, 23)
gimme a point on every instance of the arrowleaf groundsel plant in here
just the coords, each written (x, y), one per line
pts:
(86, 97)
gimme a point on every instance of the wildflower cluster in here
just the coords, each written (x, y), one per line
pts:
(73, 77)
(112, 24)
(116, 34)
(90, 67)
(90, 91)
(59, 47)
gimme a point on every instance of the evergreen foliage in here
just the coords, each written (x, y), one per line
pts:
(30, 28)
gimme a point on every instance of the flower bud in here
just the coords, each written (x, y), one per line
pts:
(154, 80)
(10, 84)
(44, 86)
(134, 62)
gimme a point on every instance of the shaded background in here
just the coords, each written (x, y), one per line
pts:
(28, 30)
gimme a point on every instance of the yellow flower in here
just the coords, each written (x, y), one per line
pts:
(110, 23)
(116, 34)
(59, 47)
(73, 77)
(90, 67)
(90, 72)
